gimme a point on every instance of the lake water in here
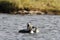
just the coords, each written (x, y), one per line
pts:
(48, 25)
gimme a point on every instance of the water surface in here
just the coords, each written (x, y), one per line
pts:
(49, 27)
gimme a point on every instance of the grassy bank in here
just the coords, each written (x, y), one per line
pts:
(43, 5)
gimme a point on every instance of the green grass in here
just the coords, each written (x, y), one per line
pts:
(37, 4)
(41, 4)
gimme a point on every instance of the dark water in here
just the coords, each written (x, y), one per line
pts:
(49, 27)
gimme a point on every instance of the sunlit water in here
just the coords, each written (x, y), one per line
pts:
(48, 25)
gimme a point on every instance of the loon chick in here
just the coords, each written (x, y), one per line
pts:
(34, 30)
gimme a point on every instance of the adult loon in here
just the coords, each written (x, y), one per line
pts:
(31, 28)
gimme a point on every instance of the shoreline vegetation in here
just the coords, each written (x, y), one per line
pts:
(39, 7)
